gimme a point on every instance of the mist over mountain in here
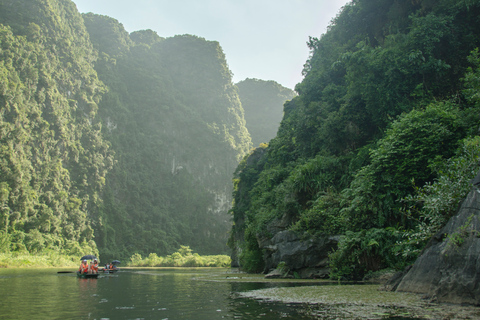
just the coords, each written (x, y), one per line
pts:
(262, 103)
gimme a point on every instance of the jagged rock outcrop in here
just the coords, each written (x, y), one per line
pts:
(307, 257)
(449, 268)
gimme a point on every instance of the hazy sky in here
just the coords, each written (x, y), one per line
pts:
(264, 39)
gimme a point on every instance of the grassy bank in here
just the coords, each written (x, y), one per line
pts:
(43, 260)
(182, 258)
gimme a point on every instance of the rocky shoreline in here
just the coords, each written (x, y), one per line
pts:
(448, 270)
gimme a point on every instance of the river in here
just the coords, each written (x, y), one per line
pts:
(183, 294)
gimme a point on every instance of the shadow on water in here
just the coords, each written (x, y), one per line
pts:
(167, 294)
(277, 310)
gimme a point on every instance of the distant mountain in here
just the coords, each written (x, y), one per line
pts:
(262, 103)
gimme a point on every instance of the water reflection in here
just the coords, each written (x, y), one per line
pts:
(145, 294)
(35, 294)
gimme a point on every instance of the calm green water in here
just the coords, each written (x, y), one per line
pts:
(139, 294)
(171, 294)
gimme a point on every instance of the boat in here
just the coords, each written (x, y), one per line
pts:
(87, 275)
(108, 270)
(112, 267)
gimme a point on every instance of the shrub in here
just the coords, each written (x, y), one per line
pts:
(366, 251)
(434, 203)
(182, 258)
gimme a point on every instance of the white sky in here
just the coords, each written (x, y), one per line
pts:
(263, 39)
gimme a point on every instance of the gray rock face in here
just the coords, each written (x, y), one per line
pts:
(307, 257)
(449, 268)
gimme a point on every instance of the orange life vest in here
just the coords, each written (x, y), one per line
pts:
(83, 268)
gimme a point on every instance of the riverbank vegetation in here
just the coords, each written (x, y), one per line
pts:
(381, 143)
(46, 259)
(184, 257)
(34, 251)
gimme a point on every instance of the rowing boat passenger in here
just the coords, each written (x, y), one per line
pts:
(83, 267)
(94, 266)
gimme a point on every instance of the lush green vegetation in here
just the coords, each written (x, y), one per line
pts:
(381, 141)
(176, 124)
(53, 159)
(184, 257)
(112, 143)
(262, 102)
(45, 259)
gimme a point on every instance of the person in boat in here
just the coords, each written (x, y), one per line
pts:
(83, 267)
(112, 266)
(94, 266)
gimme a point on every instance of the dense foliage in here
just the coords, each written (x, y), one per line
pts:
(112, 143)
(262, 102)
(388, 103)
(176, 124)
(53, 159)
(183, 257)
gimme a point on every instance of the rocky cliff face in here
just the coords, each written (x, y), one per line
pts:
(449, 268)
(308, 258)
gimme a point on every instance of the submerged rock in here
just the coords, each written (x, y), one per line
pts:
(275, 274)
(449, 268)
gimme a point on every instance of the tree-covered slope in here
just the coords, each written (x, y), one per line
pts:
(110, 140)
(176, 124)
(53, 159)
(381, 118)
(262, 103)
